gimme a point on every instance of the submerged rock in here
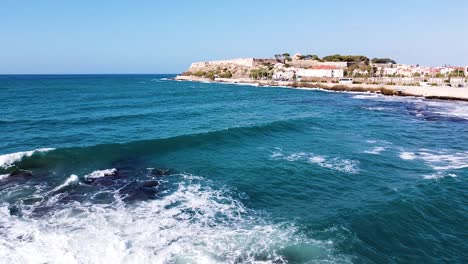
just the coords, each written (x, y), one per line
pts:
(21, 174)
(16, 175)
(140, 191)
(160, 172)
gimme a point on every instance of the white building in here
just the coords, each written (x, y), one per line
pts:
(447, 70)
(390, 71)
(283, 75)
(320, 71)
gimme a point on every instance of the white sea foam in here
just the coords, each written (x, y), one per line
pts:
(367, 96)
(375, 151)
(443, 162)
(333, 163)
(276, 154)
(377, 108)
(342, 165)
(193, 224)
(437, 176)
(4, 176)
(69, 181)
(7, 160)
(452, 109)
(296, 156)
(407, 155)
(100, 173)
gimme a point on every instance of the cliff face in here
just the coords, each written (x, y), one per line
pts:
(236, 68)
(241, 68)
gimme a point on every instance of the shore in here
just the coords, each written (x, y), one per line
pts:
(444, 93)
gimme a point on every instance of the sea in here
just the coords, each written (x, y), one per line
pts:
(146, 169)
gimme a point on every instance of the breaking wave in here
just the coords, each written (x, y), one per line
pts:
(191, 224)
(7, 160)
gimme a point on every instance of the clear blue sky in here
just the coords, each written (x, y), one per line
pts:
(89, 36)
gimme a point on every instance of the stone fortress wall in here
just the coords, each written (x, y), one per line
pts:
(248, 63)
(256, 62)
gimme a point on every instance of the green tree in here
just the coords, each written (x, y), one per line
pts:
(346, 58)
(383, 61)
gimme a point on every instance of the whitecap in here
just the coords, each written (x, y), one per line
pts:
(437, 176)
(192, 224)
(375, 151)
(100, 173)
(4, 176)
(276, 154)
(295, 156)
(342, 165)
(366, 96)
(8, 160)
(445, 161)
(450, 109)
(441, 160)
(333, 163)
(69, 181)
(407, 155)
(377, 108)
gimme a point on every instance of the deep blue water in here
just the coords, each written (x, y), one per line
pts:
(138, 168)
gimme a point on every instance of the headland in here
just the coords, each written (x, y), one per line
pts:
(336, 73)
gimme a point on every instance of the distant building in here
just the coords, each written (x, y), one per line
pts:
(457, 81)
(426, 71)
(390, 71)
(447, 70)
(321, 71)
(361, 72)
(284, 75)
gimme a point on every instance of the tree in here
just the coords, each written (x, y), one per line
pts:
(457, 73)
(283, 57)
(311, 57)
(279, 57)
(383, 61)
(346, 58)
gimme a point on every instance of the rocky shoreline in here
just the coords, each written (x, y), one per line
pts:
(442, 93)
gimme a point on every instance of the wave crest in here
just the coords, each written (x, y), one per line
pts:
(194, 223)
(8, 160)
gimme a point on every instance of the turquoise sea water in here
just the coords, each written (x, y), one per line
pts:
(138, 168)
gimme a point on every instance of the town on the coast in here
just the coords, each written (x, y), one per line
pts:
(337, 72)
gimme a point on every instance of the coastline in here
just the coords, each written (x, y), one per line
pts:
(442, 93)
